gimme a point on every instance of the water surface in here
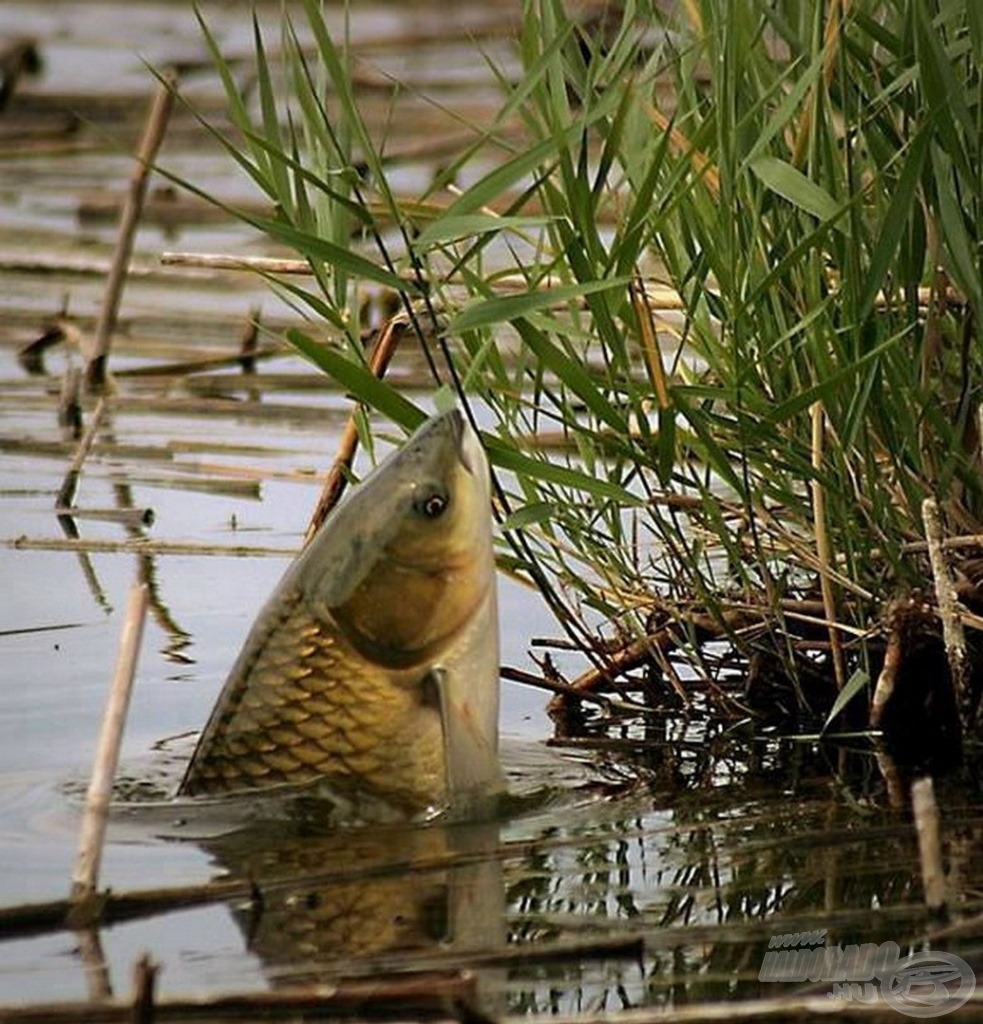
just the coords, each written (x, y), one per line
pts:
(699, 843)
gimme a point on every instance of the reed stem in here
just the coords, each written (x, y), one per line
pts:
(85, 878)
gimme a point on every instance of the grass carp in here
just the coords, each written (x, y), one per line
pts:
(373, 667)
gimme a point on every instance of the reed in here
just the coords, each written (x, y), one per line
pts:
(800, 177)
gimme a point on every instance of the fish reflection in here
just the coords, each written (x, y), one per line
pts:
(364, 899)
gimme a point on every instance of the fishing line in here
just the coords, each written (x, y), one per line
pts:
(516, 540)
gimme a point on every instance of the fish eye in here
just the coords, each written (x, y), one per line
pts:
(431, 504)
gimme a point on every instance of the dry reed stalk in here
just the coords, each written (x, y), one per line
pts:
(518, 954)
(425, 995)
(90, 952)
(221, 261)
(557, 686)
(449, 998)
(143, 546)
(823, 552)
(884, 688)
(894, 784)
(186, 367)
(126, 516)
(638, 652)
(31, 356)
(66, 493)
(153, 136)
(69, 406)
(334, 486)
(144, 982)
(85, 878)
(682, 146)
(953, 634)
(967, 540)
(85, 266)
(925, 812)
(249, 341)
(659, 297)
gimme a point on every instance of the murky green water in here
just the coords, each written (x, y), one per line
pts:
(664, 865)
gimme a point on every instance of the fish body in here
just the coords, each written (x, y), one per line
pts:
(373, 667)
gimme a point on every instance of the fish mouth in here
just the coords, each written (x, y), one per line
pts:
(463, 435)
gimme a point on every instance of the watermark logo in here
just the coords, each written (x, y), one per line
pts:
(929, 984)
(922, 985)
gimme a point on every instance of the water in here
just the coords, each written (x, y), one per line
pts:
(700, 844)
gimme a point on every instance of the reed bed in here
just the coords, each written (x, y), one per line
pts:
(798, 176)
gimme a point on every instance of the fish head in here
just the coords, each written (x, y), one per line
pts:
(406, 561)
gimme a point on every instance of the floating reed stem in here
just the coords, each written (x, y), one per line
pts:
(144, 546)
(334, 486)
(126, 516)
(222, 261)
(86, 875)
(153, 135)
(427, 995)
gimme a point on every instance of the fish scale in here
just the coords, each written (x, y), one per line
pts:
(290, 717)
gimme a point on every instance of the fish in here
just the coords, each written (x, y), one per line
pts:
(372, 669)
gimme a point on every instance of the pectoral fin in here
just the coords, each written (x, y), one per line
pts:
(471, 762)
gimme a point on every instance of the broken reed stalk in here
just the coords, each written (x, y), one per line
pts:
(823, 552)
(249, 341)
(160, 112)
(66, 494)
(69, 407)
(569, 691)
(334, 486)
(135, 517)
(925, 812)
(86, 875)
(144, 982)
(953, 634)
